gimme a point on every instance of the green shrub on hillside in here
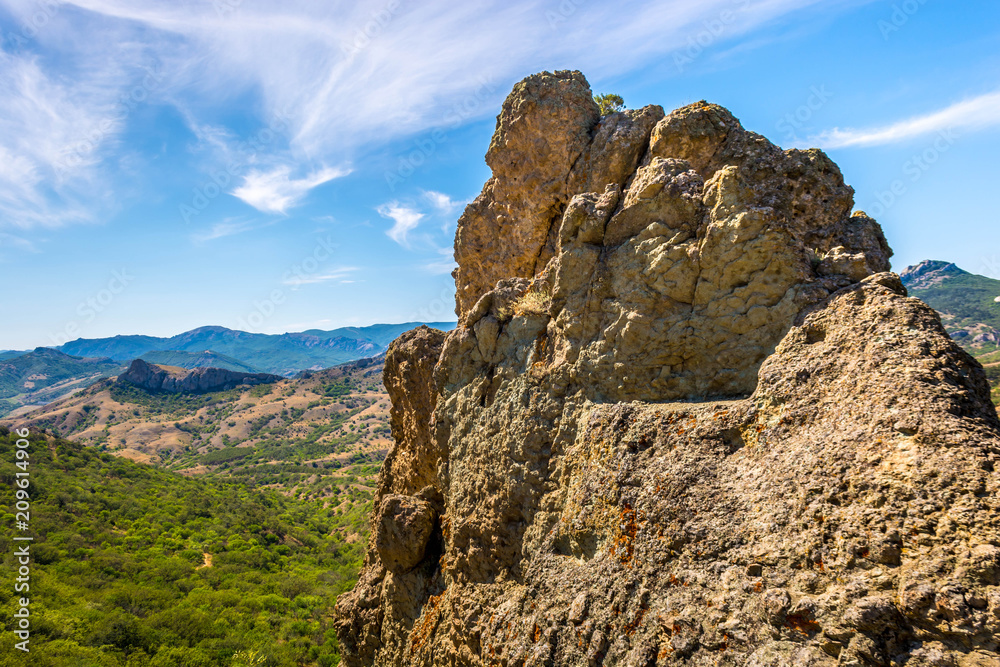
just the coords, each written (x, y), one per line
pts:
(166, 402)
(120, 574)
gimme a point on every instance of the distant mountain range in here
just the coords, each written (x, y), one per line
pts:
(282, 354)
(45, 374)
(207, 359)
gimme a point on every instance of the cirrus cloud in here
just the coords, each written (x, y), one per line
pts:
(975, 113)
(276, 191)
(342, 76)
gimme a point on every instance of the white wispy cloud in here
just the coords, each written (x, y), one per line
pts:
(276, 191)
(228, 227)
(441, 202)
(51, 135)
(405, 219)
(971, 114)
(17, 244)
(339, 274)
(307, 73)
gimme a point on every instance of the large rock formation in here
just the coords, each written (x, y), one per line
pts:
(688, 417)
(171, 379)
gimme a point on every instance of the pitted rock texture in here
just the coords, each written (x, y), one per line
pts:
(709, 428)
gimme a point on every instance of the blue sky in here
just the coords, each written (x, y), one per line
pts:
(283, 166)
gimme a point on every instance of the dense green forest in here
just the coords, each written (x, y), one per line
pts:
(138, 566)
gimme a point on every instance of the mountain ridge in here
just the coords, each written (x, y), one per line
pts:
(191, 360)
(316, 423)
(281, 354)
(176, 380)
(208, 346)
(969, 303)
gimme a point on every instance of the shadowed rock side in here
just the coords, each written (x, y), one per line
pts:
(703, 426)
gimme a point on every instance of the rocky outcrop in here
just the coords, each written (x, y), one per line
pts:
(153, 377)
(550, 143)
(688, 417)
(929, 273)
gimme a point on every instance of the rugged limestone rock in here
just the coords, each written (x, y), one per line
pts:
(544, 131)
(688, 417)
(153, 377)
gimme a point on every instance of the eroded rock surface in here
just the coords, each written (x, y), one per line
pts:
(688, 417)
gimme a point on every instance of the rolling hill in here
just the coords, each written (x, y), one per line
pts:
(231, 548)
(305, 434)
(44, 374)
(282, 354)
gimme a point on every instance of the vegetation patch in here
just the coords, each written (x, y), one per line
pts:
(120, 574)
(164, 402)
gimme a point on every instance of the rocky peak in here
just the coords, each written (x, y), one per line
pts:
(687, 417)
(687, 220)
(154, 377)
(928, 273)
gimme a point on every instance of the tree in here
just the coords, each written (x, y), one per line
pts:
(609, 103)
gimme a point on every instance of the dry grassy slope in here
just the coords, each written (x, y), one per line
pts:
(291, 433)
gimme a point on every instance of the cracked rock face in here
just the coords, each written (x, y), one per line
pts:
(687, 418)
